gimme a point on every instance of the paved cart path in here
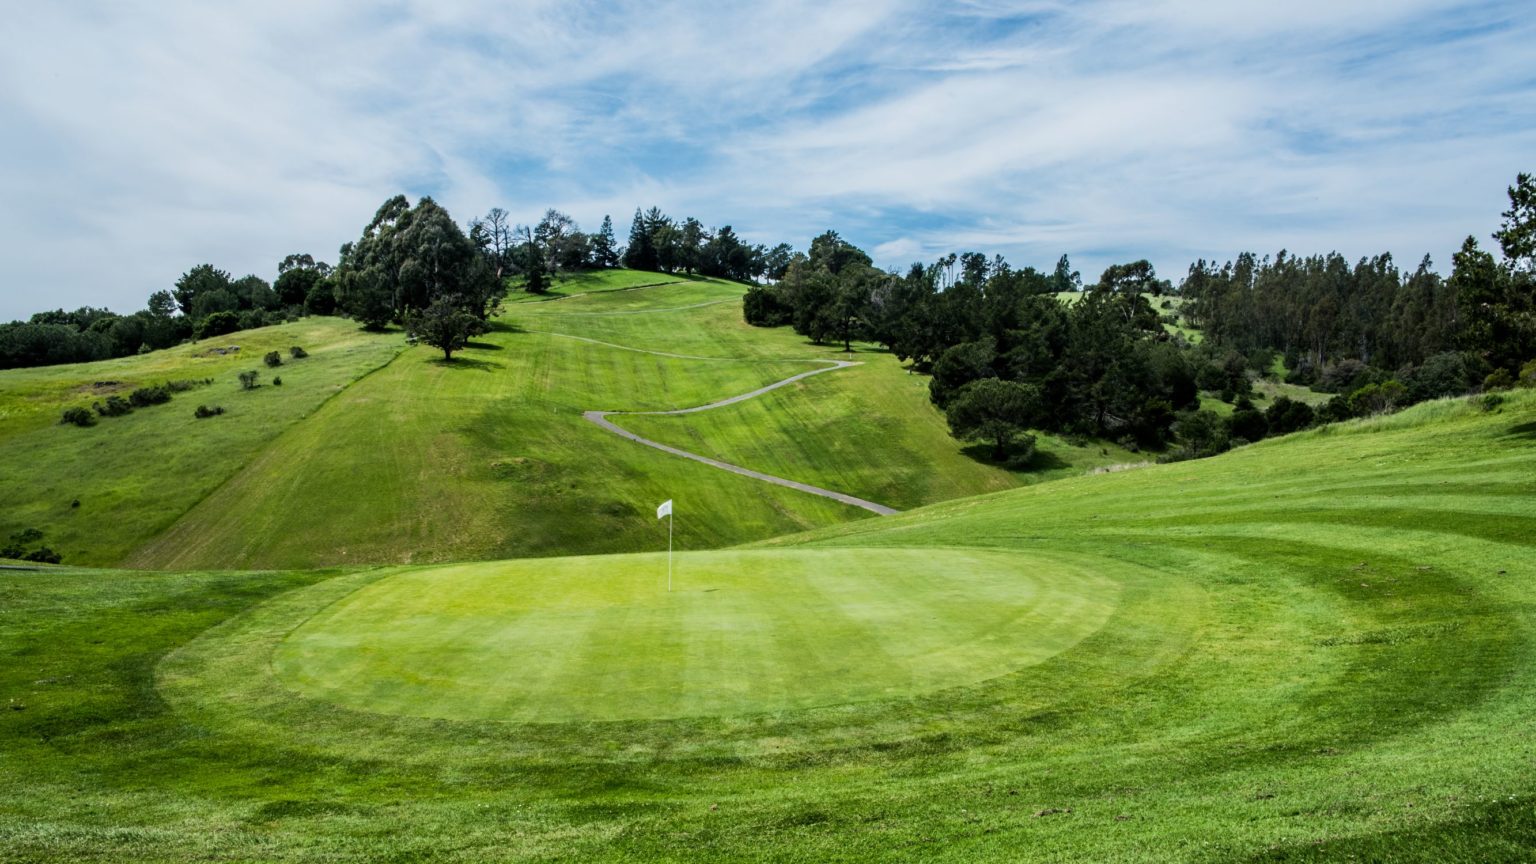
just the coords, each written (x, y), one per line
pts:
(600, 418)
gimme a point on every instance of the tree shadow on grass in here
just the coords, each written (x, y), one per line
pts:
(484, 346)
(463, 363)
(1522, 430)
(1013, 460)
(499, 326)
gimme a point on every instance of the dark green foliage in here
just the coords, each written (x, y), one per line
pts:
(272, 359)
(999, 412)
(203, 411)
(444, 325)
(144, 397)
(277, 381)
(217, 324)
(197, 286)
(115, 406)
(321, 299)
(605, 247)
(762, 307)
(1285, 415)
(961, 365)
(25, 545)
(78, 417)
(1247, 422)
(1499, 379)
(297, 353)
(248, 380)
(406, 258)
(1201, 434)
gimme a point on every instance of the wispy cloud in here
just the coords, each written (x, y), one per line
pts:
(140, 141)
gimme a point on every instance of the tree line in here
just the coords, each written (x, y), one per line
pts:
(1012, 349)
(411, 265)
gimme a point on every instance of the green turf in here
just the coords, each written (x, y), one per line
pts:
(488, 456)
(1319, 648)
(740, 633)
(136, 475)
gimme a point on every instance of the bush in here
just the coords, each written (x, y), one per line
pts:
(273, 359)
(1247, 422)
(763, 307)
(1528, 375)
(203, 412)
(78, 417)
(116, 406)
(147, 396)
(43, 555)
(1286, 415)
(248, 380)
(298, 353)
(1499, 380)
(1490, 401)
(217, 324)
(277, 381)
(184, 385)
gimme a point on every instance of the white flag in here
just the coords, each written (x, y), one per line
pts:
(665, 509)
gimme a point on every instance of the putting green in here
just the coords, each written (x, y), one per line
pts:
(600, 638)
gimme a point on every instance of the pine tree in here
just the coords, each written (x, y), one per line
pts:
(605, 252)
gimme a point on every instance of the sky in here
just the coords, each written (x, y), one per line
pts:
(138, 139)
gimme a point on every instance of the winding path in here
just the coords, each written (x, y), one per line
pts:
(600, 418)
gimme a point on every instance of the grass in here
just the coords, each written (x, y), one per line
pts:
(1312, 648)
(578, 639)
(135, 475)
(373, 452)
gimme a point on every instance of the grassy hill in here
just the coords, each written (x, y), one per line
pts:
(376, 452)
(1313, 648)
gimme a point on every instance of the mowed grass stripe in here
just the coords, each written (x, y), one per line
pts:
(743, 633)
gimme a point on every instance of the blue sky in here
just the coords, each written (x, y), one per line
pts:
(143, 138)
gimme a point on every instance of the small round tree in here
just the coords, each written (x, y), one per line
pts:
(998, 411)
(444, 325)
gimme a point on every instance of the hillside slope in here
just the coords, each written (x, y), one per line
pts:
(1316, 648)
(489, 457)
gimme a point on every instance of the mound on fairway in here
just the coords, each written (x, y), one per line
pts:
(744, 632)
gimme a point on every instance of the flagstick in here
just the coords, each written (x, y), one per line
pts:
(669, 552)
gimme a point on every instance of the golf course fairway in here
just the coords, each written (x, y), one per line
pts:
(742, 632)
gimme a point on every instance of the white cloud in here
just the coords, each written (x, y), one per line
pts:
(141, 141)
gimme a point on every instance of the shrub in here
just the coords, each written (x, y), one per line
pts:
(116, 406)
(298, 353)
(203, 411)
(1247, 422)
(277, 381)
(1499, 380)
(1528, 375)
(182, 385)
(273, 359)
(147, 396)
(43, 555)
(1490, 401)
(78, 417)
(248, 380)
(1286, 415)
(217, 324)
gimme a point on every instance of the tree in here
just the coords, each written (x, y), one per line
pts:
(640, 254)
(406, 258)
(605, 251)
(199, 282)
(443, 325)
(530, 260)
(296, 277)
(555, 233)
(161, 304)
(998, 411)
(1517, 234)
